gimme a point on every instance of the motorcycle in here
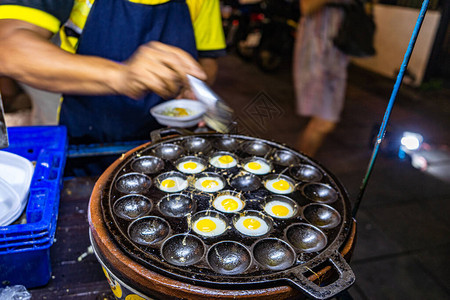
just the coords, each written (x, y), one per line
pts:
(264, 32)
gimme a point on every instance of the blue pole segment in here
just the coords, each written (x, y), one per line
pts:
(387, 114)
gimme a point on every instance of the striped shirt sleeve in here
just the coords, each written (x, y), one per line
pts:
(48, 14)
(208, 29)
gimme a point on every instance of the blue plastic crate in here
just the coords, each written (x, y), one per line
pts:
(28, 141)
(31, 233)
(29, 267)
(24, 248)
(47, 146)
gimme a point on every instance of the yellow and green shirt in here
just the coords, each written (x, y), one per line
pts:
(68, 17)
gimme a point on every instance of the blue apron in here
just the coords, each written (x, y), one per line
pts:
(114, 30)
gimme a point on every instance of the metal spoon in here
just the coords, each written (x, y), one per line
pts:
(218, 116)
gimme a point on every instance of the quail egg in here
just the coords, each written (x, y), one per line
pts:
(190, 167)
(279, 209)
(209, 184)
(173, 184)
(251, 225)
(228, 203)
(223, 161)
(257, 166)
(279, 185)
(209, 226)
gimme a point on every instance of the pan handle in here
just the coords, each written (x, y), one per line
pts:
(345, 280)
(157, 135)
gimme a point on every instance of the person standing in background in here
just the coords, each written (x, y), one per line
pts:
(320, 72)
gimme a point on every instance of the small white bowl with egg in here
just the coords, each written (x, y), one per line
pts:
(179, 113)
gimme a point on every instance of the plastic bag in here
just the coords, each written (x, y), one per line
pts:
(16, 292)
(356, 34)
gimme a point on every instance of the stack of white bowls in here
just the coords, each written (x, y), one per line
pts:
(15, 178)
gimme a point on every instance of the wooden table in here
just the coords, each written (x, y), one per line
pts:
(75, 275)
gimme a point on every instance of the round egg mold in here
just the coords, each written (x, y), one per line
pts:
(320, 206)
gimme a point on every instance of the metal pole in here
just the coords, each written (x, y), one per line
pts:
(387, 114)
(4, 141)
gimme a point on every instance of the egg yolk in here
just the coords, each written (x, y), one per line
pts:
(226, 159)
(168, 183)
(209, 184)
(281, 185)
(251, 224)
(206, 225)
(280, 210)
(180, 112)
(230, 204)
(254, 165)
(190, 165)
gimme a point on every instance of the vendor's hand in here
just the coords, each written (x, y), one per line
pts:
(186, 93)
(159, 68)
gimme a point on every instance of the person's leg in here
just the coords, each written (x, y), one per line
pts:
(313, 136)
(332, 97)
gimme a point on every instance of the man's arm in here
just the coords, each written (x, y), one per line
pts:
(209, 35)
(210, 65)
(308, 7)
(27, 56)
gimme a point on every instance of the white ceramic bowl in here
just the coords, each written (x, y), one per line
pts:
(10, 205)
(16, 172)
(195, 109)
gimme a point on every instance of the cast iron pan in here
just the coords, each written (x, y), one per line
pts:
(161, 215)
